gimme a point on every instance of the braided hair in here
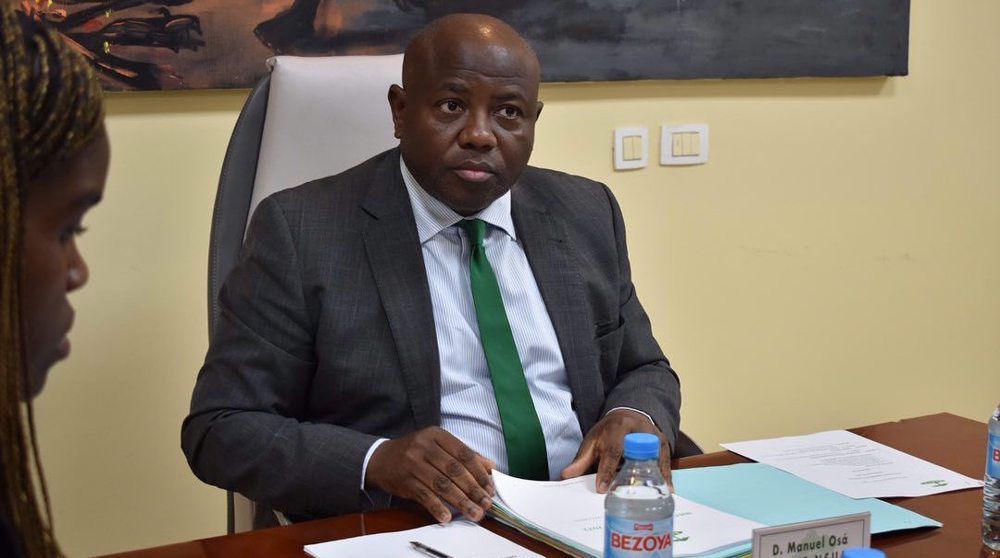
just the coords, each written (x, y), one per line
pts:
(50, 109)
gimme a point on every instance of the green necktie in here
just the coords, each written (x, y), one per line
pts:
(522, 432)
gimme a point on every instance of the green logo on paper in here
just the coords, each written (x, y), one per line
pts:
(936, 483)
(680, 536)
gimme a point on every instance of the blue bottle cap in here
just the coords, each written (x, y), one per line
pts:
(863, 553)
(640, 445)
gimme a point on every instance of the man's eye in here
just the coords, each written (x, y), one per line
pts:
(451, 106)
(509, 112)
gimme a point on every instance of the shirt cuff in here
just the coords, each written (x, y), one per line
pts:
(368, 457)
(653, 422)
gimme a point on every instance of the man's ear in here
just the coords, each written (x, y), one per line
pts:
(538, 109)
(397, 104)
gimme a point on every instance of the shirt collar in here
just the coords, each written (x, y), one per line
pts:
(433, 216)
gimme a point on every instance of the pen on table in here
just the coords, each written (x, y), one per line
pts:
(424, 549)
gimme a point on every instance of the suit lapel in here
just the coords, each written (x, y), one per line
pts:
(397, 263)
(556, 268)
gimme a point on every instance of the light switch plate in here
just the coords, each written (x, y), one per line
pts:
(621, 163)
(688, 154)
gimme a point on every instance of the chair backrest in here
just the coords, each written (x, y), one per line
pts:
(686, 447)
(309, 118)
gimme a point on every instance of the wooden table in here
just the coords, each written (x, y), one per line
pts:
(950, 441)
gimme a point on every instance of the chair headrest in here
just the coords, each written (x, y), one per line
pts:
(324, 115)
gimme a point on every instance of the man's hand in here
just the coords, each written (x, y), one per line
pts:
(434, 468)
(604, 445)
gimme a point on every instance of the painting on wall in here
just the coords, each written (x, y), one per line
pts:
(198, 44)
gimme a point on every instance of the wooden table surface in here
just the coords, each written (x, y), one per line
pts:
(948, 440)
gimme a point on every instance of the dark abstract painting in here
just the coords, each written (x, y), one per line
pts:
(196, 44)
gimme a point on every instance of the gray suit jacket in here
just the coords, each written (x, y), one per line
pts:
(326, 337)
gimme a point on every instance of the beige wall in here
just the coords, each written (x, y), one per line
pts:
(836, 263)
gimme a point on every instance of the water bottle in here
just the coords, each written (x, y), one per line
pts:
(991, 485)
(639, 509)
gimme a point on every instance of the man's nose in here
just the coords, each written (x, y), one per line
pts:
(477, 133)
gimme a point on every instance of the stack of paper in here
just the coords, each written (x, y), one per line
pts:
(853, 465)
(717, 509)
(459, 538)
(569, 515)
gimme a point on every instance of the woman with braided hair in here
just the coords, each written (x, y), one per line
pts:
(53, 164)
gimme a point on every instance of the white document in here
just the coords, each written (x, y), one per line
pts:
(853, 465)
(573, 510)
(460, 539)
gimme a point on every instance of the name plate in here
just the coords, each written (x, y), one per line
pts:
(823, 538)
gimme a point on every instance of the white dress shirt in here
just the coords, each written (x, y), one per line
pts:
(468, 404)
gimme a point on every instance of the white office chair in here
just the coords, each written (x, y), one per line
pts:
(309, 118)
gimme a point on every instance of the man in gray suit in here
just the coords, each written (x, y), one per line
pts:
(440, 310)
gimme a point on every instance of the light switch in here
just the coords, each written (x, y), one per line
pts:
(692, 141)
(686, 144)
(631, 148)
(677, 144)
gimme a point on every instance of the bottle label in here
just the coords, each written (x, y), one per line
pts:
(629, 538)
(993, 456)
